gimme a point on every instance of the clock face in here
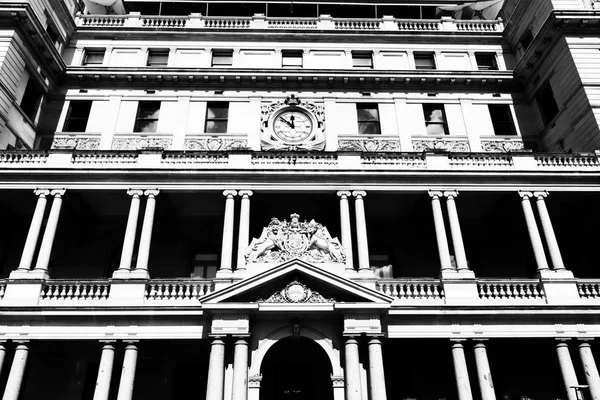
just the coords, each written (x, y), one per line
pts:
(292, 126)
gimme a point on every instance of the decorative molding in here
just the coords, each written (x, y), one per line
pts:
(78, 143)
(254, 381)
(369, 145)
(138, 143)
(296, 292)
(502, 145)
(282, 241)
(441, 144)
(214, 144)
(337, 381)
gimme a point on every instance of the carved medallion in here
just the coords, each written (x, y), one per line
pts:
(296, 292)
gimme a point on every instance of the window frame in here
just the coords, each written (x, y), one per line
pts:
(368, 122)
(362, 55)
(443, 123)
(217, 54)
(207, 120)
(429, 55)
(32, 98)
(548, 110)
(491, 56)
(291, 54)
(70, 119)
(154, 52)
(507, 123)
(88, 51)
(139, 120)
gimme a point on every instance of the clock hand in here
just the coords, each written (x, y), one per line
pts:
(292, 120)
(291, 125)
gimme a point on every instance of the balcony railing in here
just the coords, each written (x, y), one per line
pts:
(412, 289)
(507, 290)
(259, 21)
(60, 290)
(177, 289)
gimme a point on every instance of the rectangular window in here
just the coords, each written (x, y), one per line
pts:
(204, 266)
(93, 56)
(217, 114)
(222, 58)
(486, 61)
(435, 119)
(526, 39)
(147, 116)
(368, 119)
(291, 58)
(502, 120)
(424, 61)
(547, 103)
(32, 97)
(362, 59)
(158, 58)
(77, 116)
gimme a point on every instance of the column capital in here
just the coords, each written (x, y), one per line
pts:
(541, 194)
(230, 193)
(58, 192)
(450, 194)
(525, 195)
(107, 342)
(457, 341)
(21, 342)
(135, 192)
(351, 339)
(359, 193)
(41, 192)
(435, 194)
(245, 193)
(374, 339)
(130, 341)
(151, 192)
(344, 194)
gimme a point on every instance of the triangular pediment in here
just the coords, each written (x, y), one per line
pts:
(297, 281)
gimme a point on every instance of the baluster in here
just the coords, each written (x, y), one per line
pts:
(56, 291)
(427, 291)
(526, 291)
(180, 293)
(105, 289)
(187, 292)
(77, 292)
(152, 291)
(63, 291)
(69, 291)
(2, 289)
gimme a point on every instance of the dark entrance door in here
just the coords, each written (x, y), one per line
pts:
(296, 369)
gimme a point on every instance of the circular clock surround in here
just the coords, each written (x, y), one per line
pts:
(293, 124)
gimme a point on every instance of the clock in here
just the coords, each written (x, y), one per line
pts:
(293, 125)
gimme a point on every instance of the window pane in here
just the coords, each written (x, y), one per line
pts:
(158, 58)
(93, 57)
(436, 129)
(434, 114)
(217, 112)
(424, 61)
(146, 126)
(368, 114)
(77, 116)
(369, 128)
(486, 62)
(216, 126)
(362, 60)
(502, 120)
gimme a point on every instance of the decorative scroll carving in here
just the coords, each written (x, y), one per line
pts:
(141, 143)
(75, 143)
(441, 144)
(282, 241)
(296, 292)
(502, 145)
(369, 145)
(215, 144)
(254, 381)
(337, 381)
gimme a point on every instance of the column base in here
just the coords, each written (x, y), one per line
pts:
(139, 274)
(121, 274)
(38, 274)
(457, 274)
(555, 274)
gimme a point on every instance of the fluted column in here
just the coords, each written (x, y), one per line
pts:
(227, 246)
(48, 239)
(216, 370)
(17, 371)
(244, 231)
(440, 231)
(534, 234)
(361, 232)
(553, 249)
(34, 230)
(590, 369)
(240, 370)
(141, 266)
(345, 227)
(130, 230)
(105, 371)
(128, 372)
(484, 375)
(461, 373)
(455, 232)
(376, 373)
(353, 386)
(566, 368)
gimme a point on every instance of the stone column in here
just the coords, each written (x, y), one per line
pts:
(34, 230)
(130, 231)
(461, 373)
(534, 234)
(353, 387)
(128, 372)
(227, 247)
(590, 369)
(361, 232)
(105, 371)
(376, 373)
(48, 239)
(2, 355)
(216, 370)
(240, 370)
(345, 227)
(484, 375)
(440, 231)
(566, 368)
(553, 249)
(141, 268)
(457, 240)
(17, 370)
(244, 232)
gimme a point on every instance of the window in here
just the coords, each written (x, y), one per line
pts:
(217, 114)
(547, 103)
(368, 119)
(158, 58)
(526, 39)
(362, 59)
(31, 98)
(77, 116)
(486, 61)
(93, 56)
(222, 58)
(291, 58)
(435, 119)
(502, 120)
(424, 61)
(147, 116)
(204, 266)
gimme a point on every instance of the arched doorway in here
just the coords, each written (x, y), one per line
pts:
(296, 368)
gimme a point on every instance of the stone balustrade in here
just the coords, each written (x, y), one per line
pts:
(412, 289)
(506, 290)
(60, 290)
(177, 289)
(588, 289)
(259, 21)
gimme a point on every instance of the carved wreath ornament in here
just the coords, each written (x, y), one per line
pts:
(296, 292)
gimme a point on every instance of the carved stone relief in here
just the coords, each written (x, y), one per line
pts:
(296, 292)
(369, 145)
(502, 145)
(215, 144)
(75, 143)
(141, 143)
(441, 144)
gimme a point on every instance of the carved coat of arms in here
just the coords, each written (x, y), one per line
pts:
(282, 241)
